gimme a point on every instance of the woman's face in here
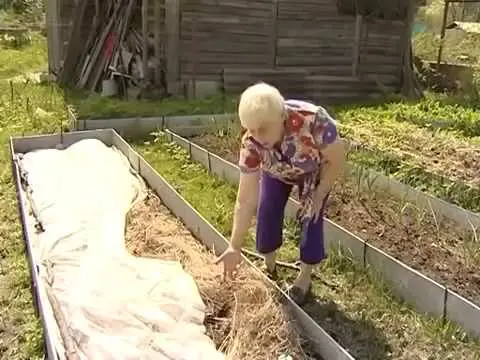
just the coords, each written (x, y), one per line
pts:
(267, 133)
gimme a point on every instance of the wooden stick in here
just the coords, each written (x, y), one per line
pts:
(442, 33)
(279, 263)
(98, 70)
(96, 53)
(287, 266)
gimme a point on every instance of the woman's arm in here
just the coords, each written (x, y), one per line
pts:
(334, 159)
(245, 207)
(331, 148)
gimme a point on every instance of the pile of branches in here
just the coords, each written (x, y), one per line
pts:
(108, 42)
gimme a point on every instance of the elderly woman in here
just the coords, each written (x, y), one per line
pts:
(287, 143)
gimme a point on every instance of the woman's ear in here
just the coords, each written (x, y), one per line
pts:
(242, 131)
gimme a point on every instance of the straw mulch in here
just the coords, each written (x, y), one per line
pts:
(244, 316)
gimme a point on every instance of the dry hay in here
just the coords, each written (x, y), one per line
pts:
(244, 316)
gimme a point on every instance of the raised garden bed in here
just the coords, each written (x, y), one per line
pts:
(351, 304)
(456, 192)
(239, 311)
(407, 283)
(427, 295)
(404, 148)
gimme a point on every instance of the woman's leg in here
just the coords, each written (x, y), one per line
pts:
(271, 208)
(312, 249)
(312, 245)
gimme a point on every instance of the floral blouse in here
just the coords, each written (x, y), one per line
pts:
(297, 159)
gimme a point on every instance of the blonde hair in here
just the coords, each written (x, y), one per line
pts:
(260, 103)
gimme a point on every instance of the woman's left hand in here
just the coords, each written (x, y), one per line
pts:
(318, 199)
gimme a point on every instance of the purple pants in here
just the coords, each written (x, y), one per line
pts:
(271, 208)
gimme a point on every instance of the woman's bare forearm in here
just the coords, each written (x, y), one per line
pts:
(335, 160)
(242, 220)
(245, 208)
(330, 173)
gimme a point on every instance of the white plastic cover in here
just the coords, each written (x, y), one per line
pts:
(116, 306)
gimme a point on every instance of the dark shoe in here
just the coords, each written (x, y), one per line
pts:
(298, 295)
(272, 274)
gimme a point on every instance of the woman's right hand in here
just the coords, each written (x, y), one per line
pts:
(230, 258)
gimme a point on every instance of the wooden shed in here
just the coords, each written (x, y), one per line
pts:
(323, 50)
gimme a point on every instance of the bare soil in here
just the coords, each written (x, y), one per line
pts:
(244, 316)
(436, 247)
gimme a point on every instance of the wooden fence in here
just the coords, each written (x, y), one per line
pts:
(289, 42)
(277, 40)
(222, 34)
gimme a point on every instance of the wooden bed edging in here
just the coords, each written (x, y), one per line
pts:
(425, 294)
(193, 125)
(323, 343)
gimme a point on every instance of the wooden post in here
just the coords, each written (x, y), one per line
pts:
(145, 39)
(410, 85)
(158, 55)
(356, 44)
(172, 26)
(442, 32)
(194, 61)
(58, 50)
(273, 35)
(55, 43)
(74, 50)
(50, 36)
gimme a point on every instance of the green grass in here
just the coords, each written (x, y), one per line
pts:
(18, 61)
(20, 334)
(20, 331)
(435, 112)
(440, 162)
(94, 106)
(353, 304)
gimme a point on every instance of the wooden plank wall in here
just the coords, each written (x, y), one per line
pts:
(381, 50)
(246, 36)
(217, 34)
(312, 34)
(156, 21)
